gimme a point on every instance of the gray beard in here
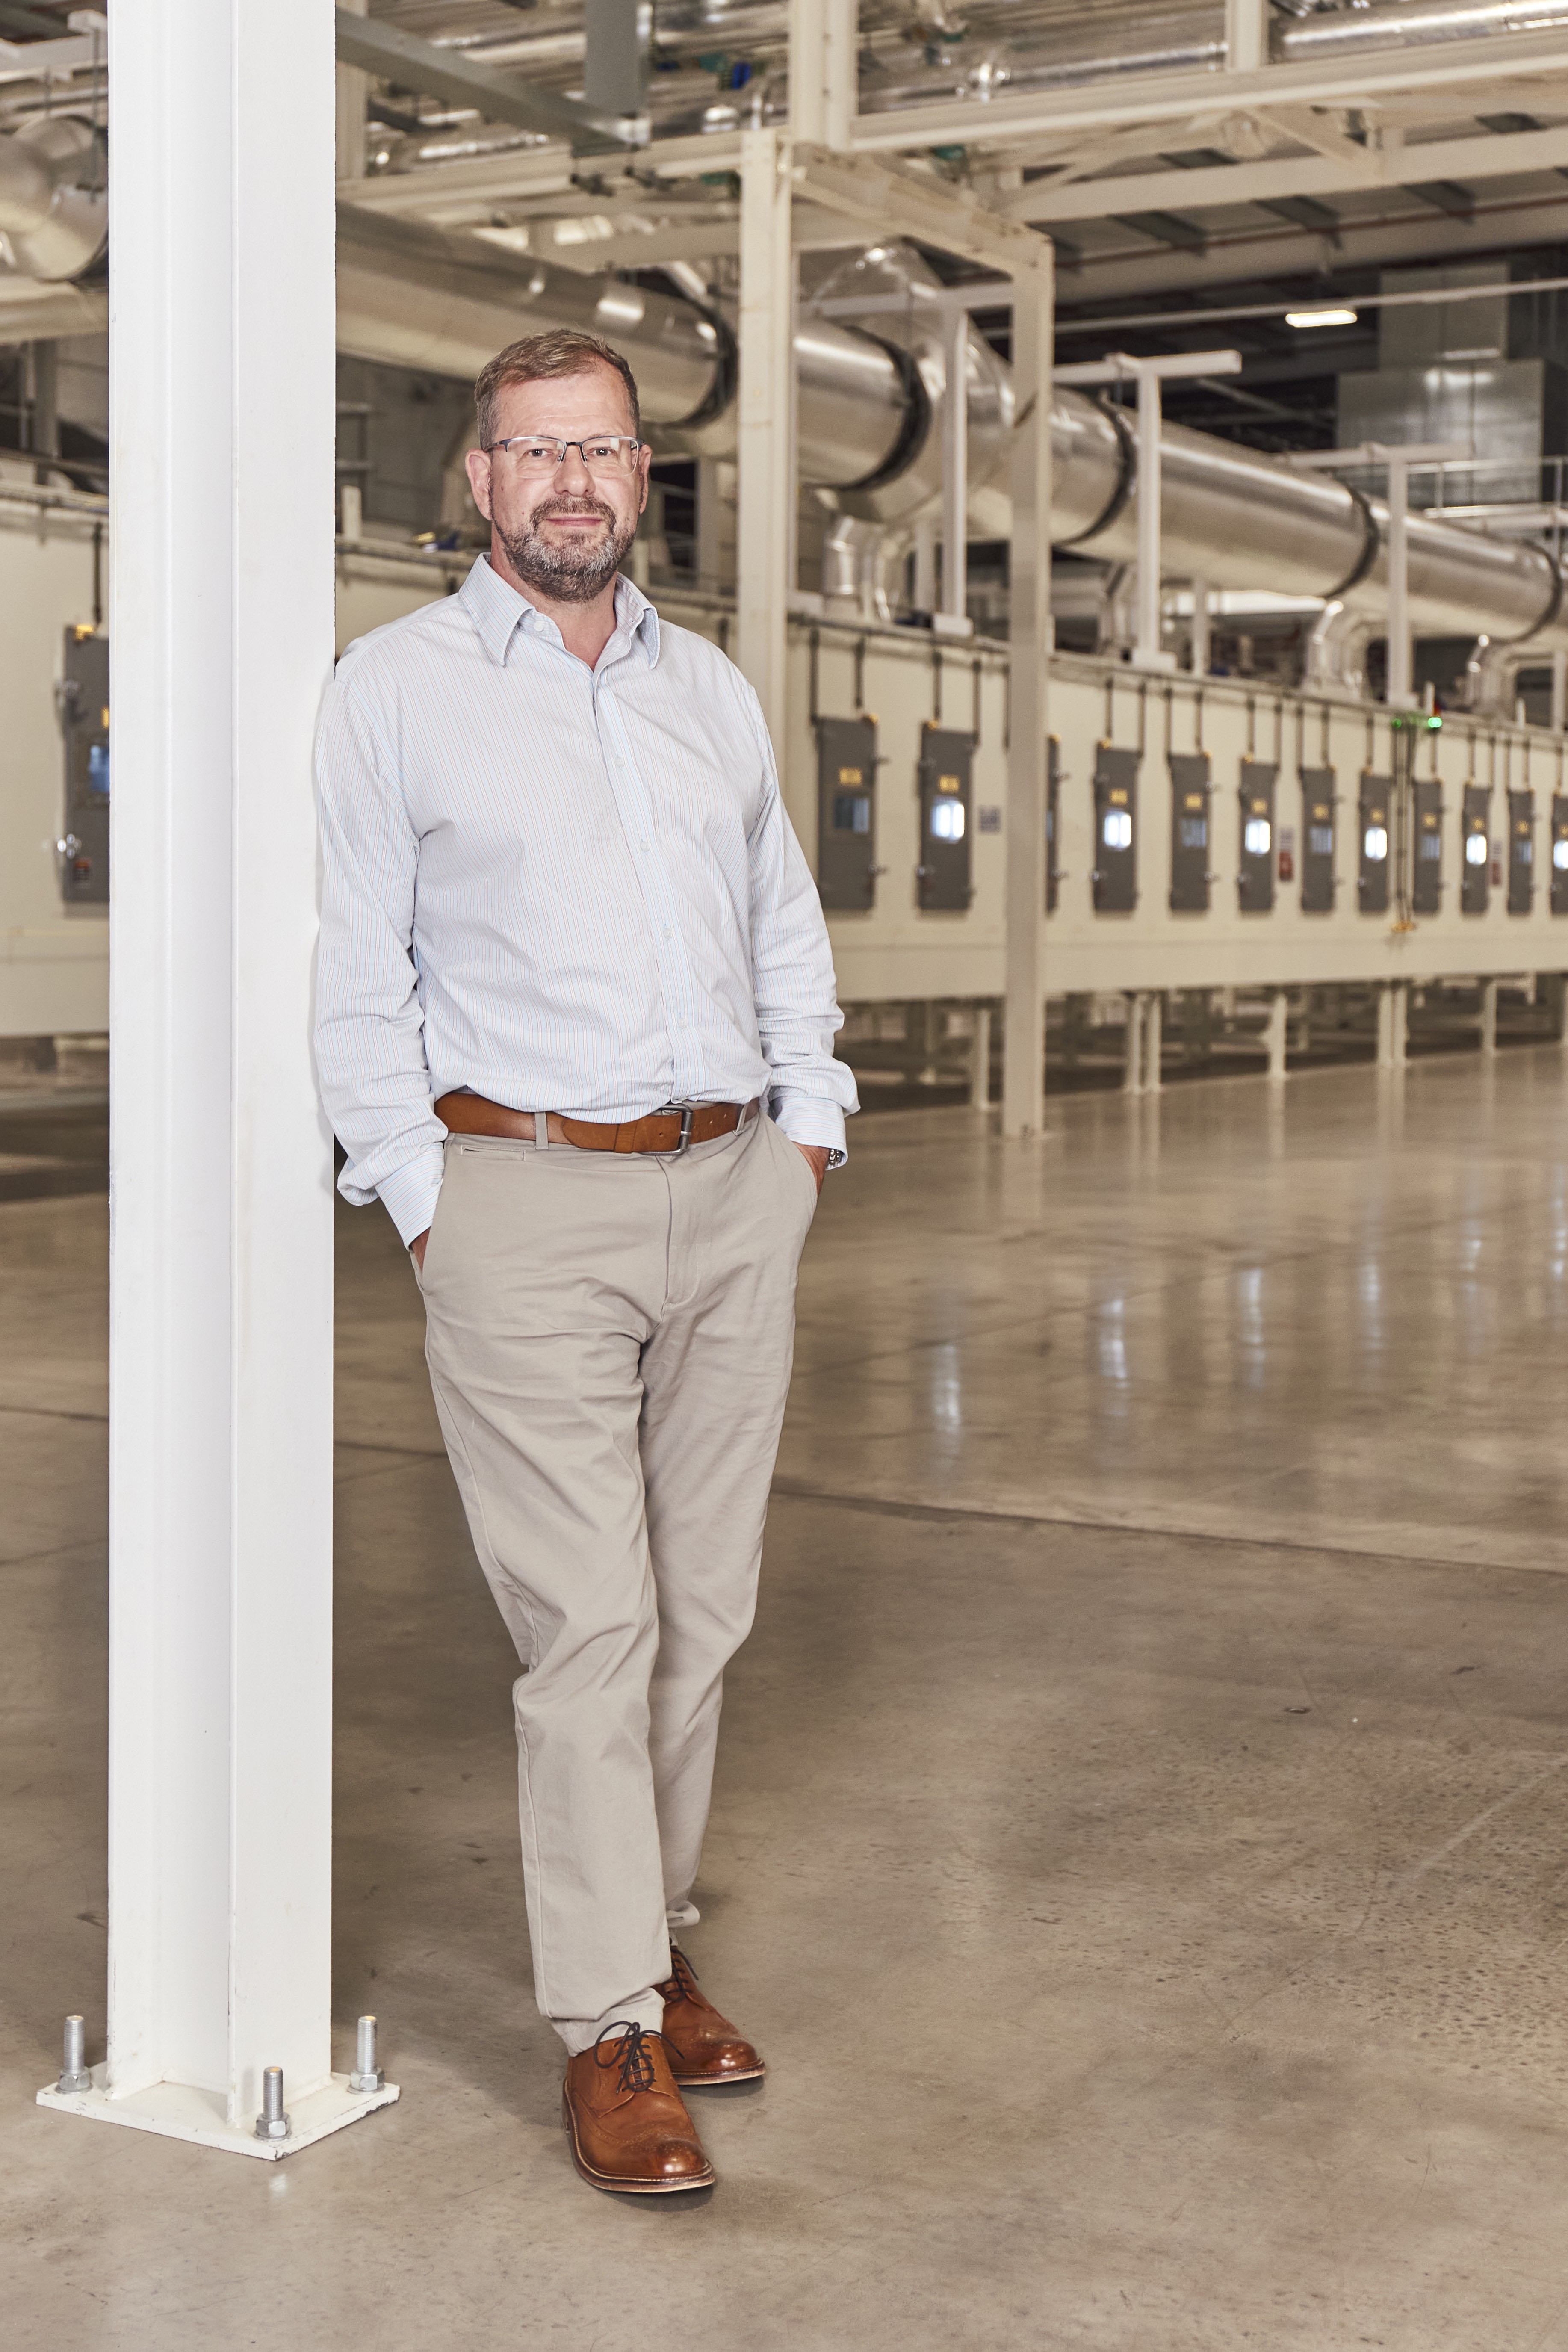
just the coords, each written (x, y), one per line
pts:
(569, 574)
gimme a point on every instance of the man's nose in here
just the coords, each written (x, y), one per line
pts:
(572, 475)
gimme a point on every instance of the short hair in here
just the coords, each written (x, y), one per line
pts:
(559, 350)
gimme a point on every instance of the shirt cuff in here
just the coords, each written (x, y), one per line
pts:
(806, 1119)
(410, 1192)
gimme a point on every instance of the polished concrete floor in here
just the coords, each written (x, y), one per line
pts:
(1139, 1844)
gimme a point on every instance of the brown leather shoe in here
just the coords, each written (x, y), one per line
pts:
(628, 2122)
(703, 2046)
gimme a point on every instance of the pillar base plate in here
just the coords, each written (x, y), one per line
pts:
(178, 2112)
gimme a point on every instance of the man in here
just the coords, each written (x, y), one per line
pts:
(575, 1029)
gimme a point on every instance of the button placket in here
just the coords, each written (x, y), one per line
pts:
(675, 981)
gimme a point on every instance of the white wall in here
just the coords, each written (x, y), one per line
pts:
(53, 962)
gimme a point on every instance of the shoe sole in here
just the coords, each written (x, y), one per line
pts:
(703, 2180)
(715, 2082)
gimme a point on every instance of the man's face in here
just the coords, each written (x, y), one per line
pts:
(566, 532)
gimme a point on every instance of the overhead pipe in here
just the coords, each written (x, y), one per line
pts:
(1411, 24)
(869, 407)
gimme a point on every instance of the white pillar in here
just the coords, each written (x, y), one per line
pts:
(840, 72)
(1559, 690)
(980, 1059)
(1150, 492)
(765, 439)
(221, 1265)
(807, 70)
(1024, 1043)
(1132, 1045)
(1398, 694)
(1274, 1034)
(1154, 1040)
(1488, 1017)
(1245, 34)
(955, 469)
(710, 525)
(924, 590)
(1200, 628)
(823, 70)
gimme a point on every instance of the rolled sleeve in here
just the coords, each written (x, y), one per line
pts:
(409, 1193)
(369, 1043)
(812, 1092)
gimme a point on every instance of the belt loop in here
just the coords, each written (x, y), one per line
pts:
(541, 1130)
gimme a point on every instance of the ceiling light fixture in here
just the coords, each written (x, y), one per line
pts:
(1320, 318)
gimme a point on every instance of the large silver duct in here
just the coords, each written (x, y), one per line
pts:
(869, 410)
(54, 198)
(1406, 24)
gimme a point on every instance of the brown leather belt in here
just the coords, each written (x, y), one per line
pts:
(674, 1128)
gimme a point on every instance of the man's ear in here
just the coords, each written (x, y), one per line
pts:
(477, 466)
(645, 468)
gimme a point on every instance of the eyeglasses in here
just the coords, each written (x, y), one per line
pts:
(610, 453)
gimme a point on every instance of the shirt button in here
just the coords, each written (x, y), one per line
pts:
(642, 845)
(668, 932)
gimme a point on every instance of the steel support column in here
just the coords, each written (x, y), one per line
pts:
(1024, 1041)
(823, 70)
(765, 434)
(1245, 34)
(955, 472)
(221, 1265)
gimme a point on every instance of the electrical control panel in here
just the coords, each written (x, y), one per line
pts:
(1318, 800)
(1190, 784)
(847, 813)
(82, 700)
(1475, 842)
(1255, 867)
(1520, 852)
(1375, 803)
(1560, 853)
(1426, 875)
(1114, 874)
(947, 820)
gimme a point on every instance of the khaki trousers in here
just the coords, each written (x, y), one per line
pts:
(610, 1340)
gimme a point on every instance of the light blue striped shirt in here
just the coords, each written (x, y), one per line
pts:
(567, 889)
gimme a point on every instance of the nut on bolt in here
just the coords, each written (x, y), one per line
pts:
(272, 2123)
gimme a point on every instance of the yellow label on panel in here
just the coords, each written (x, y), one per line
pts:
(950, 783)
(849, 776)
(1118, 798)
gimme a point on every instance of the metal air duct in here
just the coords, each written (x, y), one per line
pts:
(1410, 24)
(869, 407)
(54, 198)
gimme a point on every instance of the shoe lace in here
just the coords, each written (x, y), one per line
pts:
(630, 2050)
(682, 1975)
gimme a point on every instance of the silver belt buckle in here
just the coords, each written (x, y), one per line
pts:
(687, 1112)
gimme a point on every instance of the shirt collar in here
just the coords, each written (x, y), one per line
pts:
(497, 612)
